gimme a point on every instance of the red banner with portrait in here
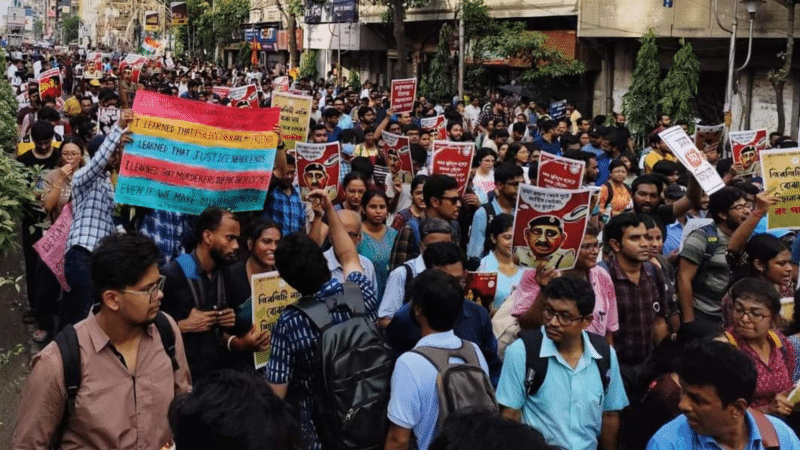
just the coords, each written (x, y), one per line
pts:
(318, 167)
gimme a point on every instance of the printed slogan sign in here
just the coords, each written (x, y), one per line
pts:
(186, 156)
(780, 169)
(691, 157)
(403, 94)
(50, 84)
(270, 296)
(559, 172)
(295, 117)
(549, 225)
(745, 146)
(318, 168)
(53, 245)
(397, 153)
(708, 137)
(454, 159)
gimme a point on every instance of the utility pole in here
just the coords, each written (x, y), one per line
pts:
(461, 52)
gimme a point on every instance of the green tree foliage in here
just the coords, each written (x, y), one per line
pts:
(308, 64)
(437, 83)
(679, 88)
(69, 25)
(640, 104)
(16, 190)
(8, 111)
(778, 77)
(355, 80)
(212, 24)
(511, 40)
(38, 29)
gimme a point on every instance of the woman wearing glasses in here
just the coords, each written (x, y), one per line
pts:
(755, 315)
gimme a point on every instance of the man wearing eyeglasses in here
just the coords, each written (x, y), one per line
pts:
(703, 272)
(128, 379)
(587, 412)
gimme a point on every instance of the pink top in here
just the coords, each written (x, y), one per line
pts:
(605, 303)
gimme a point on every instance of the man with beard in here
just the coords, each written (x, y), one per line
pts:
(127, 380)
(283, 200)
(703, 272)
(194, 291)
(647, 199)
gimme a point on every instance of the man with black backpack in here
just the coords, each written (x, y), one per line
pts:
(442, 374)
(562, 380)
(343, 406)
(118, 369)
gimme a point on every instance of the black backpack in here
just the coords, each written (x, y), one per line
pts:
(459, 387)
(536, 366)
(67, 342)
(354, 365)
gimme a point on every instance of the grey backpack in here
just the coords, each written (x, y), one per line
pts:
(460, 387)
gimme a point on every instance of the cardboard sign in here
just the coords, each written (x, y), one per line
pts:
(270, 295)
(52, 247)
(745, 146)
(690, 156)
(559, 172)
(436, 125)
(480, 287)
(222, 91)
(187, 155)
(558, 110)
(708, 137)
(295, 117)
(549, 225)
(244, 96)
(50, 84)
(318, 167)
(150, 46)
(404, 92)
(453, 159)
(281, 84)
(93, 69)
(397, 154)
(780, 169)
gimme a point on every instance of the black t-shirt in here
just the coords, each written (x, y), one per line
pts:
(29, 159)
(622, 134)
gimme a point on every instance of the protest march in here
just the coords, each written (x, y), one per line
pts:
(238, 257)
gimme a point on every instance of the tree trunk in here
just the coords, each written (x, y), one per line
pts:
(779, 78)
(294, 56)
(399, 15)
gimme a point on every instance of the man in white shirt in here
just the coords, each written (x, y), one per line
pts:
(352, 224)
(473, 111)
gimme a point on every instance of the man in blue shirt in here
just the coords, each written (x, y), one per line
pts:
(718, 383)
(436, 301)
(472, 324)
(571, 408)
(507, 178)
(547, 140)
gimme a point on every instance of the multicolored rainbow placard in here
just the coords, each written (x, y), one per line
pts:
(187, 155)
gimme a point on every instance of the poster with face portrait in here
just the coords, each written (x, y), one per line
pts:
(480, 287)
(318, 168)
(708, 137)
(549, 226)
(692, 158)
(559, 172)
(397, 153)
(50, 84)
(270, 295)
(131, 67)
(244, 96)
(746, 146)
(436, 125)
(453, 159)
(93, 68)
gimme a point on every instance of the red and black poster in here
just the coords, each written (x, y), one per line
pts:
(454, 159)
(318, 168)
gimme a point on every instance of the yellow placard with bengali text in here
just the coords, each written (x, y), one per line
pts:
(271, 295)
(781, 172)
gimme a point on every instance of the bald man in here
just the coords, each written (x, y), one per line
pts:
(352, 223)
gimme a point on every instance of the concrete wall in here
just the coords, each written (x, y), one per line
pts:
(687, 18)
(444, 9)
